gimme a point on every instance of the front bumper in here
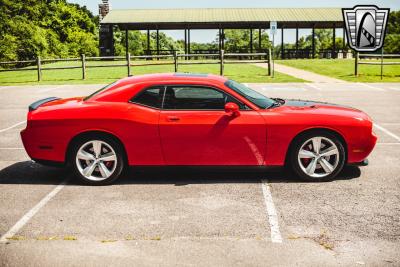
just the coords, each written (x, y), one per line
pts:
(359, 152)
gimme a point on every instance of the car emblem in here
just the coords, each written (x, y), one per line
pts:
(365, 27)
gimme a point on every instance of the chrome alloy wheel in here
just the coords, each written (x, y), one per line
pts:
(96, 160)
(318, 157)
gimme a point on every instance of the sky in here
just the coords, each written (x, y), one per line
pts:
(209, 35)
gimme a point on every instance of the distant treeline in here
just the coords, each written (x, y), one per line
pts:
(235, 40)
(55, 28)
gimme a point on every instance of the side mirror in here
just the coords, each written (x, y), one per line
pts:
(232, 109)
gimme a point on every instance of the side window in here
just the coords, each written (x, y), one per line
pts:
(149, 97)
(195, 97)
(197, 93)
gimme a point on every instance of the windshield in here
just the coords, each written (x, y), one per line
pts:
(99, 91)
(254, 97)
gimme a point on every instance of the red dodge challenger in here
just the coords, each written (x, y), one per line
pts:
(193, 119)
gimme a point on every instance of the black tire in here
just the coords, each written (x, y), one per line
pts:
(294, 161)
(119, 155)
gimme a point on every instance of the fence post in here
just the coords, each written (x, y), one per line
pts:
(221, 56)
(269, 61)
(128, 63)
(39, 69)
(176, 60)
(356, 65)
(83, 59)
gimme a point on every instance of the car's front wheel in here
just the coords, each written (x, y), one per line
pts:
(317, 156)
(97, 160)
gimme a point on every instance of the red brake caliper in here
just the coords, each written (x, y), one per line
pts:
(306, 161)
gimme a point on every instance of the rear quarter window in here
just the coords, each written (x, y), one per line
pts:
(150, 97)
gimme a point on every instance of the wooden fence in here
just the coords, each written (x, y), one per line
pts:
(365, 59)
(175, 59)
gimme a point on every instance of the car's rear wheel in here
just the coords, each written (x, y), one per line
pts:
(317, 156)
(97, 160)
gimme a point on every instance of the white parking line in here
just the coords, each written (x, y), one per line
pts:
(389, 123)
(31, 213)
(12, 126)
(313, 86)
(373, 87)
(386, 131)
(271, 212)
(288, 89)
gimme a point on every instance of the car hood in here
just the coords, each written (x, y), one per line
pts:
(308, 108)
(311, 103)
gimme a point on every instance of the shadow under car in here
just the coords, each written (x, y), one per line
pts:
(29, 172)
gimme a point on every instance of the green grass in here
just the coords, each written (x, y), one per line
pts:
(344, 69)
(239, 72)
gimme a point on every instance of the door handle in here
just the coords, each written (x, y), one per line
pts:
(173, 118)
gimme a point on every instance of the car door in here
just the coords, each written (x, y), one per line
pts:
(142, 135)
(195, 129)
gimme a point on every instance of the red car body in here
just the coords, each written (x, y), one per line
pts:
(150, 136)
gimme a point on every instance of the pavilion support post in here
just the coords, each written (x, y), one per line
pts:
(126, 43)
(269, 58)
(282, 44)
(185, 42)
(223, 39)
(219, 39)
(251, 41)
(259, 41)
(297, 41)
(158, 42)
(188, 42)
(313, 42)
(344, 41)
(334, 42)
(112, 47)
(148, 42)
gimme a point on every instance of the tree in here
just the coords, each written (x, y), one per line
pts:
(237, 40)
(138, 42)
(49, 28)
(392, 44)
(392, 39)
(393, 26)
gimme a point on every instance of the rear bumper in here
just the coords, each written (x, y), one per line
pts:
(50, 163)
(40, 150)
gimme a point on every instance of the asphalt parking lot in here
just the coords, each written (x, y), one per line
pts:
(204, 217)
